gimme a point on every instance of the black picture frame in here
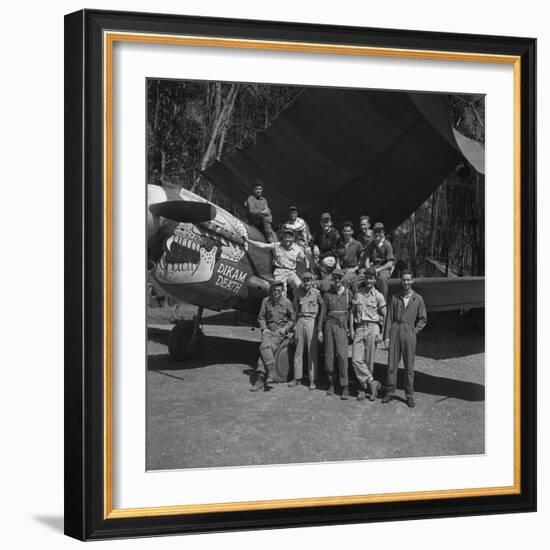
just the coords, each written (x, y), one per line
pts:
(85, 498)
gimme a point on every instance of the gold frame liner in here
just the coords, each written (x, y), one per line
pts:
(109, 39)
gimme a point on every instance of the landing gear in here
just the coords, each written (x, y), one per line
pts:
(185, 339)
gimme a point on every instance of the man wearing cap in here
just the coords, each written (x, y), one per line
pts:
(259, 214)
(366, 319)
(307, 306)
(349, 253)
(334, 319)
(406, 318)
(286, 255)
(276, 318)
(379, 255)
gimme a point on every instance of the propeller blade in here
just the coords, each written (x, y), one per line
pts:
(184, 211)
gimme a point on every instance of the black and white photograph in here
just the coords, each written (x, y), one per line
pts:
(315, 281)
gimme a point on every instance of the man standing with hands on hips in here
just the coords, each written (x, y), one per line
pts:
(406, 318)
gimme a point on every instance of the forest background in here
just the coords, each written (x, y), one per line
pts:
(190, 124)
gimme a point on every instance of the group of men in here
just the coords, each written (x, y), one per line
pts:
(340, 299)
(326, 250)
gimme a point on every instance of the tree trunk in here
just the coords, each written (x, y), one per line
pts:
(224, 111)
(162, 176)
(219, 123)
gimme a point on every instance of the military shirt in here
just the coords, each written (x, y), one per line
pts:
(368, 306)
(276, 315)
(335, 305)
(307, 304)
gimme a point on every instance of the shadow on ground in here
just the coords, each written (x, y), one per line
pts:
(449, 334)
(436, 385)
(233, 350)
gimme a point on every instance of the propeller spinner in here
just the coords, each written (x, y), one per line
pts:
(184, 211)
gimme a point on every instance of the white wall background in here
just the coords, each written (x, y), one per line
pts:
(31, 407)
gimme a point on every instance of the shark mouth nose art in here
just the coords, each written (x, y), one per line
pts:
(189, 256)
(181, 254)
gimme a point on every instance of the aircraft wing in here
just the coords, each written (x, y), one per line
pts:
(447, 293)
(348, 152)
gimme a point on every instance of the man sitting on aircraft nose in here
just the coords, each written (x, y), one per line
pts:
(259, 214)
(276, 318)
(286, 255)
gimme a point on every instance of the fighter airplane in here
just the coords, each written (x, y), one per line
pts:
(349, 152)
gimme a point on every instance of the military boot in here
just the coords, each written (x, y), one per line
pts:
(259, 384)
(330, 390)
(345, 392)
(374, 386)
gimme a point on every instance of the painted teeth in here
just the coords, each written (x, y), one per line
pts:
(186, 266)
(184, 243)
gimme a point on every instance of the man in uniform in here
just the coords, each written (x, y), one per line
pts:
(276, 318)
(366, 319)
(406, 318)
(325, 243)
(259, 214)
(307, 306)
(349, 253)
(286, 255)
(334, 319)
(379, 255)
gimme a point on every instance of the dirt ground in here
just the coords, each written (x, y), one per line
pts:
(201, 413)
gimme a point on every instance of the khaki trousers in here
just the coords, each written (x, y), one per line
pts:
(364, 350)
(306, 338)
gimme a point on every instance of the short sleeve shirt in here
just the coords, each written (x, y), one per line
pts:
(307, 304)
(367, 306)
(284, 258)
(350, 253)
